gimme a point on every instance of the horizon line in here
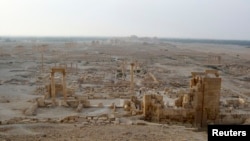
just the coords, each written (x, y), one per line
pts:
(98, 36)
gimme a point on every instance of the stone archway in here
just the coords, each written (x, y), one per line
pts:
(52, 82)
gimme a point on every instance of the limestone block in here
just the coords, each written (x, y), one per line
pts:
(26, 121)
(112, 105)
(241, 103)
(117, 121)
(44, 120)
(82, 119)
(140, 122)
(100, 105)
(31, 110)
(84, 124)
(41, 102)
(103, 118)
(103, 115)
(159, 97)
(92, 121)
(247, 121)
(111, 117)
(16, 119)
(179, 101)
(79, 107)
(133, 113)
(70, 119)
(99, 121)
(86, 104)
(48, 102)
(133, 106)
(72, 103)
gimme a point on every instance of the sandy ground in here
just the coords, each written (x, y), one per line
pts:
(78, 132)
(19, 70)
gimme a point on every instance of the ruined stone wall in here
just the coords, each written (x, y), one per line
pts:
(206, 101)
(211, 97)
(178, 115)
(152, 107)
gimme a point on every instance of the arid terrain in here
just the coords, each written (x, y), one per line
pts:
(93, 69)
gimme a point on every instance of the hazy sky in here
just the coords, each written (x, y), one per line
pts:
(212, 19)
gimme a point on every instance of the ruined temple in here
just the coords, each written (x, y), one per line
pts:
(199, 106)
(205, 88)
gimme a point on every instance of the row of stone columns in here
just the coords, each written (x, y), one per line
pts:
(71, 67)
(214, 59)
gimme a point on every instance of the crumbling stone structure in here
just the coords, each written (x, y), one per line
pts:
(199, 106)
(205, 94)
(153, 106)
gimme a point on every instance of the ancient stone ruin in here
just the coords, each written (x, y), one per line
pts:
(199, 106)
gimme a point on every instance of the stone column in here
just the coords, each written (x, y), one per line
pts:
(136, 65)
(71, 68)
(219, 59)
(123, 68)
(76, 68)
(146, 105)
(64, 87)
(53, 89)
(42, 62)
(132, 78)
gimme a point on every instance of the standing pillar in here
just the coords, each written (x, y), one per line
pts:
(136, 65)
(123, 68)
(64, 87)
(219, 59)
(71, 67)
(132, 78)
(76, 68)
(53, 89)
(42, 62)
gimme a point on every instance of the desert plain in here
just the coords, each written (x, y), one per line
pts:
(93, 71)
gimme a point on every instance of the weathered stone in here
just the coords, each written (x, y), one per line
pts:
(31, 110)
(103, 118)
(73, 103)
(73, 118)
(133, 113)
(107, 121)
(112, 116)
(140, 123)
(116, 122)
(100, 105)
(79, 107)
(82, 119)
(40, 102)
